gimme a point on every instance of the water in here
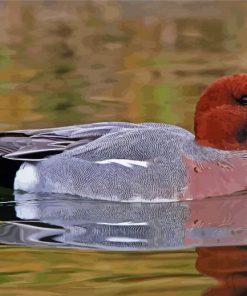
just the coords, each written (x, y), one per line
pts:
(81, 245)
(75, 62)
(65, 221)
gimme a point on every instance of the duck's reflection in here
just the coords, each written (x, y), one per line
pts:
(228, 265)
(66, 221)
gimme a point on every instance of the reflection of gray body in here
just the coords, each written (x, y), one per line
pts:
(111, 161)
(100, 224)
(126, 226)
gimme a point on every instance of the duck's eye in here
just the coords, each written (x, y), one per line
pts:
(243, 100)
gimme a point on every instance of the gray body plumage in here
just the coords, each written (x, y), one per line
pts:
(110, 161)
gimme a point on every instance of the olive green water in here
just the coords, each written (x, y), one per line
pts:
(64, 63)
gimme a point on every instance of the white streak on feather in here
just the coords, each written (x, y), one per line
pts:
(124, 223)
(125, 162)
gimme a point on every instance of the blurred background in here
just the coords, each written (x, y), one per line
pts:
(70, 62)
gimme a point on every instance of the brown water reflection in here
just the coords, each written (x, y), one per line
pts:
(26, 271)
(226, 264)
(71, 272)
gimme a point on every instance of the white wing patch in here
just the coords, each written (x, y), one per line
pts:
(26, 177)
(129, 163)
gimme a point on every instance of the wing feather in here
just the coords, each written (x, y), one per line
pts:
(37, 144)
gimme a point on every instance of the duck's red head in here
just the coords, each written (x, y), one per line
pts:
(221, 114)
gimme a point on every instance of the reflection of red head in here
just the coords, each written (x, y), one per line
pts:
(228, 265)
(221, 114)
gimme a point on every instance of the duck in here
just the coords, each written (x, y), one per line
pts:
(137, 162)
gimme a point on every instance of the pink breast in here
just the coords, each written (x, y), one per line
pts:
(205, 179)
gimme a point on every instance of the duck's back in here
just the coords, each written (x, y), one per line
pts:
(116, 161)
